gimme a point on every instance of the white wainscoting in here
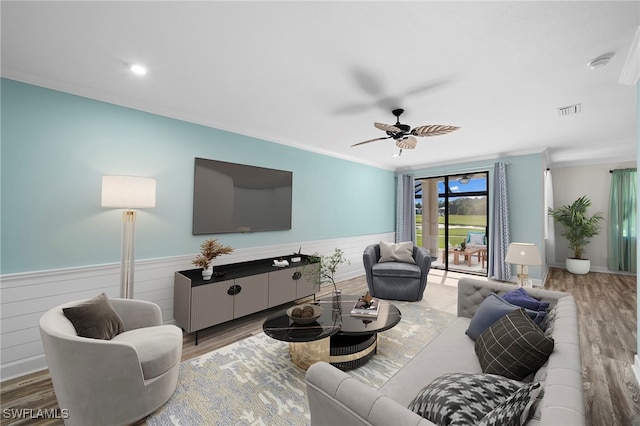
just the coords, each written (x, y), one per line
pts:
(26, 296)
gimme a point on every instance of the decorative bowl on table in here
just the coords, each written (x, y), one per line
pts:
(304, 314)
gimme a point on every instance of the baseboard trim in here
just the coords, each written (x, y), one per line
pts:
(602, 269)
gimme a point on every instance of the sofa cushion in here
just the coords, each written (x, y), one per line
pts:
(396, 252)
(514, 346)
(520, 297)
(396, 269)
(159, 348)
(476, 238)
(466, 399)
(95, 318)
(492, 308)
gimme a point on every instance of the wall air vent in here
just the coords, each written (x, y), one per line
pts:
(570, 109)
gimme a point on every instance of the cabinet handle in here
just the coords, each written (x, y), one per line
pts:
(296, 275)
(233, 290)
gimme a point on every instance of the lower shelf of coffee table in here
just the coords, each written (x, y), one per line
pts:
(343, 351)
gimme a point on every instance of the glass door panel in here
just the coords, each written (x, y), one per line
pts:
(452, 221)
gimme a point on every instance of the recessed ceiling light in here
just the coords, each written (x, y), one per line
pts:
(138, 69)
(600, 61)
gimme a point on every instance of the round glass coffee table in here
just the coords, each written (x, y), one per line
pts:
(336, 337)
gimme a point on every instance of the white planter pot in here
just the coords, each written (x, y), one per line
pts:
(207, 273)
(578, 266)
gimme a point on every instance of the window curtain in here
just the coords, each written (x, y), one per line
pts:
(623, 218)
(549, 225)
(498, 268)
(405, 209)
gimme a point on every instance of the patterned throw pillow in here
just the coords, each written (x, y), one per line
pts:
(465, 399)
(513, 410)
(513, 346)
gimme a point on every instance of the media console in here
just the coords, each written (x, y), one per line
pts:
(240, 289)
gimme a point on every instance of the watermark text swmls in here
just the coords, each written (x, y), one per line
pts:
(30, 413)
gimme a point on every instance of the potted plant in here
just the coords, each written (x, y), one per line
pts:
(578, 229)
(328, 265)
(209, 250)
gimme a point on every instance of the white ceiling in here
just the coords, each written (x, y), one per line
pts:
(317, 75)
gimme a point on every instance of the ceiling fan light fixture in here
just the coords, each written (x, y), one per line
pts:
(464, 180)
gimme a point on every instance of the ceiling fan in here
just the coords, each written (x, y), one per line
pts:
(404, 135)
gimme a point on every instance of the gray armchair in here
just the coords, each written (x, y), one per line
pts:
(117, 381)
(396, 280)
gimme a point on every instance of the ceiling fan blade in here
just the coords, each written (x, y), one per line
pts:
(408, 142)
(387, 127)
(433, 130)
(370, 140)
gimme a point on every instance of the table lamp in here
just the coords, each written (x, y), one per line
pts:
(523, 255)
(128, 192)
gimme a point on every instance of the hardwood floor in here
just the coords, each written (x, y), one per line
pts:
(606, 307)
(607, 312)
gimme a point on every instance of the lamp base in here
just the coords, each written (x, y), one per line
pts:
(127, 260)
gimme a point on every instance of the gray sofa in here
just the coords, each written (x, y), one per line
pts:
(335, 398)
(396, 280)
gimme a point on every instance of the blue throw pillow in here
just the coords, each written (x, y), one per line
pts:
(520, 297)
(492, 308)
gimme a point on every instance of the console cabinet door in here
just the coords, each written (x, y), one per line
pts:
(306, 285)
(211, 305)
(253, 295)
(282, 287)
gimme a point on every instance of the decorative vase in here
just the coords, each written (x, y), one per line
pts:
(337, 299)
(578, 266)
(207, 272)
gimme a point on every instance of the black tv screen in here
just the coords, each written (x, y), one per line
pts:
(230, 197)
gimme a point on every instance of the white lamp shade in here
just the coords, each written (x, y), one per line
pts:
(128, 192)
(523, 254)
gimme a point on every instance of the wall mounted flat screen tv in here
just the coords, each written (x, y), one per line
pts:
(230, 197)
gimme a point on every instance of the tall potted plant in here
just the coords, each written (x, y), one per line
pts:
(578, 229)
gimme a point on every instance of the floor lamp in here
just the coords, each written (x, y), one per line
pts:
(128, 192)
(523, 255)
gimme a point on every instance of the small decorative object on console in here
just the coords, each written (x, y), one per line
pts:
(366, 306)
(280, 263)
(209, 250)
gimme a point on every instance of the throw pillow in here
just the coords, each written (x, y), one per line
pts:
(513, 346)
(396, 252)
(476, 238)
(492, 308)
(520, 297)
(95, 318)
(465, 398)
(514, 410)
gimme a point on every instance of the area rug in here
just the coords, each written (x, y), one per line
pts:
(253, 382)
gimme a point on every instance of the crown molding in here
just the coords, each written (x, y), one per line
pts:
(631, 70)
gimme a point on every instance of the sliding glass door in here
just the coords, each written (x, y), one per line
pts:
(451, 221)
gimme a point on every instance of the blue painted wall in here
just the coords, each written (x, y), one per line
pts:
(525, 193)
(56, 147)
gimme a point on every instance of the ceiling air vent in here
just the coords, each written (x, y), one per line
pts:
(570, 109)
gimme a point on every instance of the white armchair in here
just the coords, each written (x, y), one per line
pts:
(117, 381)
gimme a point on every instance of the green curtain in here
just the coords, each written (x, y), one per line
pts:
(623, 221)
